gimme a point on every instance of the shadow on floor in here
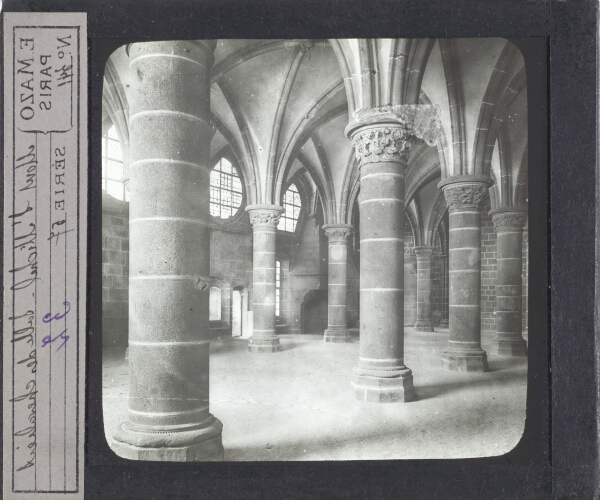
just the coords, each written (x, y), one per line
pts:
(468, 381)
(291, 447)
(498, 363)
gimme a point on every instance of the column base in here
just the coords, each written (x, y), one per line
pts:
(424, 326)
(199, 443)
(465, 360)
(264, 345)
(372, 389)
(337, 336)
(503, 347)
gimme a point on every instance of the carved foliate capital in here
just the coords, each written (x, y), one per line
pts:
(386, 133)
(264, 215)
(509, 221)
(337, 232)
(465, 195)
(419, 120)
(424, 253)
(382, 143)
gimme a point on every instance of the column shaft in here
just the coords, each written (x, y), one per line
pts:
(264, 219)
(381, 375)
(509, 290)
(465, 195)
(169, 415)
(337, 328)
(424, 321)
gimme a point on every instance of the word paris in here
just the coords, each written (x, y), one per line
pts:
(36, 87)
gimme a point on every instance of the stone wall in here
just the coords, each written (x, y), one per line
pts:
(410, 277)
(488, 277)
(353, 289)
(437, 284)
(230, 267)
(304, 267)
(115, 271)
(410, 281)
(488, 272)
(230, 264)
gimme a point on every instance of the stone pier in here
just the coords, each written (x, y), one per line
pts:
(264, 220)
(508, 223)
(424, 255)
(465, 195)
(337, 327)
(169, 416)
(382, 144)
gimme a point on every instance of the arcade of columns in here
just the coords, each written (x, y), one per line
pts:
(169, 416)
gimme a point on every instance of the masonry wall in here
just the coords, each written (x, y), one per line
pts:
(230, 267)
(410, 281)
(231, 254)
(437, 284)
(353, 289)
(488, 277)
(304, 268)
(488, 271)
(410, 277)
(115, 271)
(230, 263)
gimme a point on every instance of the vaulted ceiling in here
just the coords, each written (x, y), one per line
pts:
(281, 106)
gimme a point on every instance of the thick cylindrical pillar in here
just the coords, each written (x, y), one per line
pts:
(444, 321)
(169, 258)
(382, 148)
(524, 307)
(264, 220)
(465, 195)
(424, 321)
(508, 223)
(337, 308)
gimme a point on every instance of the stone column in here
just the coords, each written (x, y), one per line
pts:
(525, 306)
(337, 328)
(424, 256)
(169, 415)
(382, 145)
(264, 220)
(444, 321)
(464, 196)
(508, 223)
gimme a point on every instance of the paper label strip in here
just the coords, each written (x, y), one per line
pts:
(45, 234)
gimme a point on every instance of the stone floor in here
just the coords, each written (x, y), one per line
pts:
(298, 405)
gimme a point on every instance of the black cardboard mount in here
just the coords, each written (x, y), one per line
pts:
(558, 456)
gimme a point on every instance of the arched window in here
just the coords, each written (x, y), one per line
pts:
(292, 206)
(112, 166)
(225, 190)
